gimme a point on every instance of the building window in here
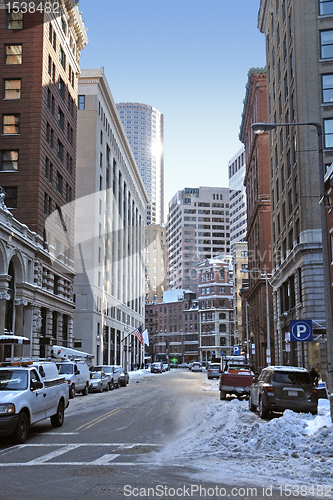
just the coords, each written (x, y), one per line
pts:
(326, 44)
(81, 102)
(61, 119)
(59, 183)
(328, 133)
(48, 170)
(9, 160)
(327, 88)
(12, 89)
(60, 151)
(13, 54)
(62, 58)
(14, 20)
(10, 124)
(325, 7)
(62, 87)
(11, 196)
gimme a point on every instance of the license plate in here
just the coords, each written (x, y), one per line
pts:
(292, 393)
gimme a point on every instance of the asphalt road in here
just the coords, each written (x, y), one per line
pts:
(112, 446)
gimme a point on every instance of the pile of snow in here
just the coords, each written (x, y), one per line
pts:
(137, 374)
(231, 444)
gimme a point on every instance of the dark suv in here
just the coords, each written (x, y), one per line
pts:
(279, 388)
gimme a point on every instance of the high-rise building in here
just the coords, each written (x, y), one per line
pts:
(109, 230)
(198, 228)
(40, 56)
(144, 129)
(238, 215)
(299, 52)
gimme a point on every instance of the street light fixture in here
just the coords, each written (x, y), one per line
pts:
(268, 350)
(261, 128)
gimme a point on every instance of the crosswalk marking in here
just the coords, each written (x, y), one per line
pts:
(61, 449)
(105, 459)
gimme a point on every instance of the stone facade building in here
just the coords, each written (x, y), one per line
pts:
(299, 54)
(216, 319)
(155, 263)
(109, 230)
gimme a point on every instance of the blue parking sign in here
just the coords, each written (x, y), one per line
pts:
(236, 350)
(301, 330)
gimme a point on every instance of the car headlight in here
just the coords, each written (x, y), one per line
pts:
(7, 409)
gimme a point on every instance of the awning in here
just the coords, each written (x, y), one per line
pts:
(13, 339)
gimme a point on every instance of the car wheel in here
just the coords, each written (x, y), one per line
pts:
(58, 419)
(223, 395)
(263, 411)
(72, 391)
(111, 385)
(314, 412)
(21, 431)
(251, 405)
(101, 388)
(85, 391)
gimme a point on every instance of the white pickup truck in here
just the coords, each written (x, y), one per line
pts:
(27, 397)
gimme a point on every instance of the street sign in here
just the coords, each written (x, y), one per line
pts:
(287, 336)
(287, 347)
(236, 350)
(301, 330)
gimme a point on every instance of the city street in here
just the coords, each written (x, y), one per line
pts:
(160, 433)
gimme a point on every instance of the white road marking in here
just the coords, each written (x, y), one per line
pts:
(105, 459)
(56, 453)
(61, 449)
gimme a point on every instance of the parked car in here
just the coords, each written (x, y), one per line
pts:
(123, 377)
(196, 367)
(99, 382)
(279, 388)
(183, 365)
(110, 372)
(213, 371)
(322, 390)
(190, 365)
(156, 367)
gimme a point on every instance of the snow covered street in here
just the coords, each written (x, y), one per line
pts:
(232, 444)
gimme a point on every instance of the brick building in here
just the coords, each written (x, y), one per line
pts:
(40, 64)
(173, 327)
(257, 185)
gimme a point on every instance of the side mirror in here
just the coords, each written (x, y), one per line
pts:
(36, 385)
(254, 379)
(77, 372)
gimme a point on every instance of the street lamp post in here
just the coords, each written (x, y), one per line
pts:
(260, 128)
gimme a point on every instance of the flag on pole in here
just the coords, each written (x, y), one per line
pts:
(145, 337)
(138, 334)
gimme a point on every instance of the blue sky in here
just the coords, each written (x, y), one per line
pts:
(187, 58)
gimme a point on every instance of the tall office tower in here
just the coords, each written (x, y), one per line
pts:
(198, 228)
(257, 182)
(299, 51)
(109, 230)
(144, 129)
(40, 56)
(155, 263)
(238, 216)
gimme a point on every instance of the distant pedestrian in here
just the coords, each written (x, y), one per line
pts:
(314, 375)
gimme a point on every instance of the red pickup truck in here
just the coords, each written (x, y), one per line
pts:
(236, 379)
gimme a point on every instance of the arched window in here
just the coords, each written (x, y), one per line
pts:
(222, 316)
(222, 341)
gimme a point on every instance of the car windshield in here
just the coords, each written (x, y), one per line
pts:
(95, 375)
(66, 368)
(13, 380)
(292, 378)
